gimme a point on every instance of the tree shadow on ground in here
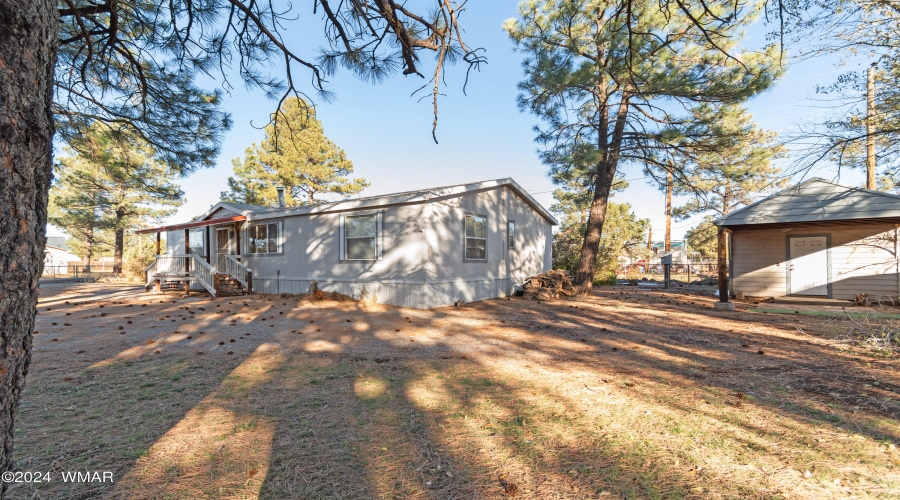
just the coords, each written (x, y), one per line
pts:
(570, 399)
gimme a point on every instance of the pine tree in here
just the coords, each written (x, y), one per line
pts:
(296, 155)
(613, 75)
(738, 174)
(75, 207)
(703, 238)
(120, 183)
(624, 233)
(133, 64)
(623, 236)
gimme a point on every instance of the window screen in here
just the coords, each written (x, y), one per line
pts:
(360, 234)
(262, 238)
(197, 241)
(476, 237)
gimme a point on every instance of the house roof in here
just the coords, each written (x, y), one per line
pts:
(58, 242)
(815, 201)
(188, 225)
(662, 244)
(256, 212)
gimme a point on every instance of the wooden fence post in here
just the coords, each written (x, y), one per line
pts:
(723, 304)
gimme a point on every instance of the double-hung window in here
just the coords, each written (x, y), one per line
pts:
(361, 237)
(197, 241)
(511, 235)
(476, 237)
(263, 238)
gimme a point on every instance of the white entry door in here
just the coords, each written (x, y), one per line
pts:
(809, 265)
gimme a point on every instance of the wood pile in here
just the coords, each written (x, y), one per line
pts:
(551, 285)
(867, 300)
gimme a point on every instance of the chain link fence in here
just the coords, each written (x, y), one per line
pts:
(77, 272)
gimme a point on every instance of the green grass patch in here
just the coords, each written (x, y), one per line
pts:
(824, 313)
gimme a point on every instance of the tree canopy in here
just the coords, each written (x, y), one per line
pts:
(636, 81)
(297, 156)
(735, 175)
(852, 30)
(136, 63)
(112, 183)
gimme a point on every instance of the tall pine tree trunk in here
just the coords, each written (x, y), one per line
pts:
(584, 277)
(120, 241)
(89, 250)
(28, 40)
(606, 173)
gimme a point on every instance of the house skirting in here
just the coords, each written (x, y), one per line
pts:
(415, 294)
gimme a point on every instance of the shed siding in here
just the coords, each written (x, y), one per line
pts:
(862, 260)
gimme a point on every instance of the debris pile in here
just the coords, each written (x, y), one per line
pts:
(867, 300)
(315, 294)
(549, 286)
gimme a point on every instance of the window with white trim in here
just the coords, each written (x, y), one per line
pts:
(361, 237)
(476, 237)
(511, 234)
(197, 241)
(263, 238)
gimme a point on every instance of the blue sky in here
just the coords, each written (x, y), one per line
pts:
(483, 135)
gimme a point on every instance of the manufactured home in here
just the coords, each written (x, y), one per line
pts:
(419, 249)
(817, 238)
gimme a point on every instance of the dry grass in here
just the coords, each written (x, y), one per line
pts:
(626, 394)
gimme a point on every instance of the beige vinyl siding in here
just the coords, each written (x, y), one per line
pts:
(862, 260)
(759, 262)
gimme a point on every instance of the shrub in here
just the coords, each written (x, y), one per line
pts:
(606, 279)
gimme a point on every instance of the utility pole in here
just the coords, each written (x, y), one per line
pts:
(650, 238)
(669, 180)
(870, 129)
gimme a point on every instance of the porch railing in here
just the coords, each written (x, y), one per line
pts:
(173, 264)
(189, 265)
(228, 264)
(205, 274)
(150, 271)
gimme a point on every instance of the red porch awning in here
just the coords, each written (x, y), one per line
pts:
(188, 225)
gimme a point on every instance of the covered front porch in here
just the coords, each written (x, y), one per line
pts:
(219, 272)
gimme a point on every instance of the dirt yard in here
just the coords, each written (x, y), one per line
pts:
(626, 394)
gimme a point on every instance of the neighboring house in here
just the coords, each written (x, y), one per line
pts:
(56, 256)
(58, 242)
(680, 253)
(817, 238)
(419, 249)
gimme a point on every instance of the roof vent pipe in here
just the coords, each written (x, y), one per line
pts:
(280, 196)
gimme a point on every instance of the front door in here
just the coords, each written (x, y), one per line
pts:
(809, 265)
(225, 245)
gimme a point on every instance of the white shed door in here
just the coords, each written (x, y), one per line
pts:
(809, 266)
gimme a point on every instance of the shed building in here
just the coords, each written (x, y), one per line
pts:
(817, 238)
